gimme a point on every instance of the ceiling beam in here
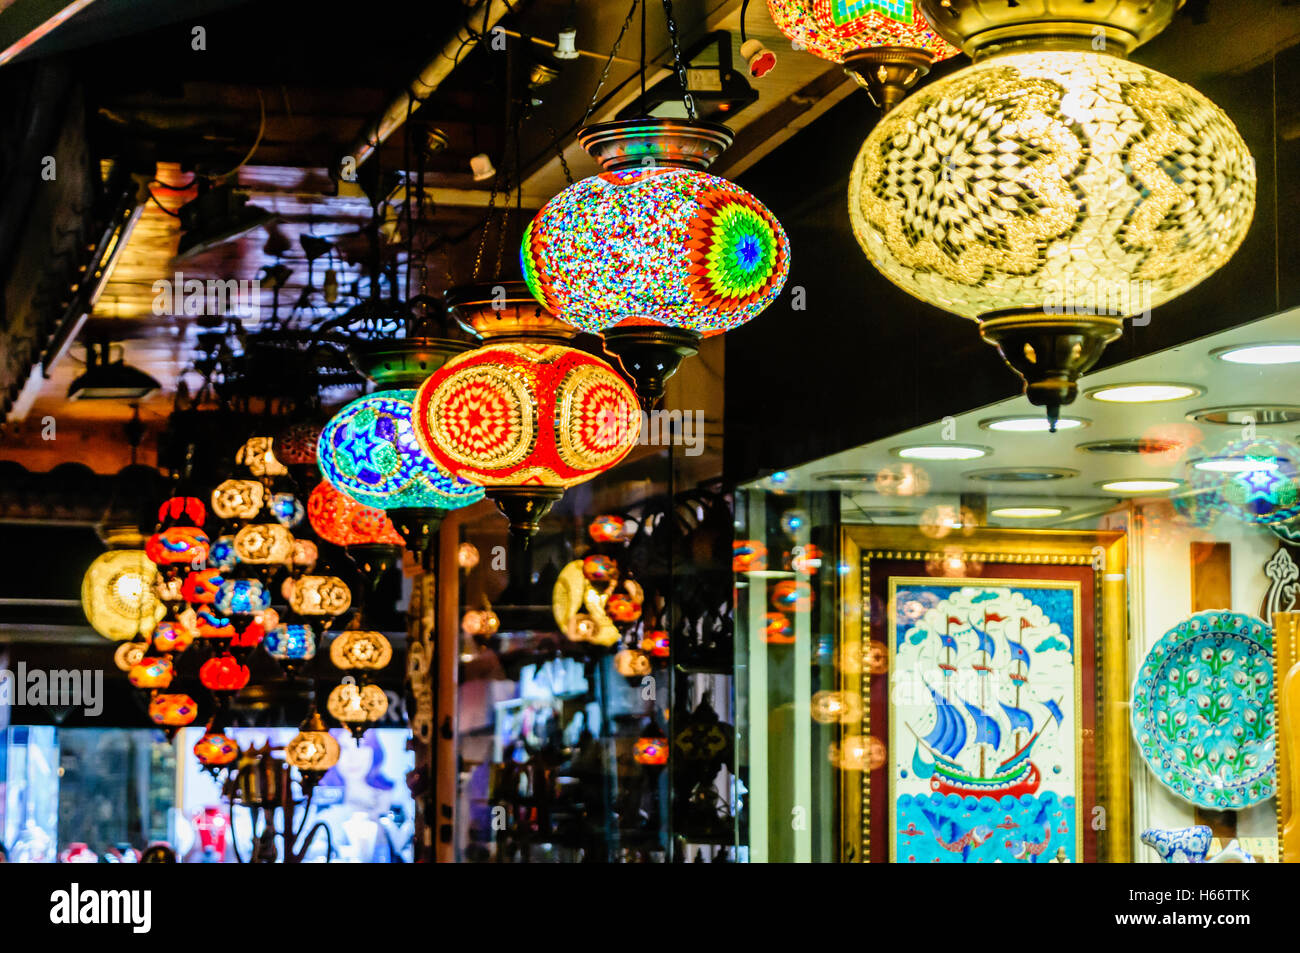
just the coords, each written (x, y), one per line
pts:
(24, 22)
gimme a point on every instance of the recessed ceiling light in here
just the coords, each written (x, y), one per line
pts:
(1237, 414)
(1021, 474)
(940, 451)
(1030, 424)
(1143, 393)
(1139, 486)
(846, 476)
(1236, 464)
(1027, 512)
(1131, 445)
(1278, 353)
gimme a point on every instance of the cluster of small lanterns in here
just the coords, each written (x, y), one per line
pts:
(257, 580)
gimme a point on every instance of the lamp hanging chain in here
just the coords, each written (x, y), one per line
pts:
(687, 99)
(487, 224)
(613, 53)
(559, 152)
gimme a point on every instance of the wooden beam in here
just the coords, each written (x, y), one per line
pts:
(24, 22)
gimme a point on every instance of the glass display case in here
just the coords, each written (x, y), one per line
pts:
(980, 640)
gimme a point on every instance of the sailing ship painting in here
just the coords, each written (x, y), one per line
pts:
(982, 722)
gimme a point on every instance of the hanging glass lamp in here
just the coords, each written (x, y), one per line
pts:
(654, 253)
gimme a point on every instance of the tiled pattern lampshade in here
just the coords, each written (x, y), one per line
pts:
(526, 414)
(118, 596)
(1037, 179)
(667, 246)
(368, 450)
(339, 519)
(834, 29)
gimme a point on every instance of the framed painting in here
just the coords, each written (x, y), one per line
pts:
(993, 682)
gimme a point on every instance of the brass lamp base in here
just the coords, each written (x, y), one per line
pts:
(1050, 351)
(418, 525)
(650, 354)
(524, 507)
(888, 73)
(373, 561)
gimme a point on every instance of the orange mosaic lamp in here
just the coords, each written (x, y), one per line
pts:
(525, 416)
(886, 45)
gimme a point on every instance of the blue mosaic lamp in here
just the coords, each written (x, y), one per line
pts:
(242, 597)
(369, 451)
(290, 644)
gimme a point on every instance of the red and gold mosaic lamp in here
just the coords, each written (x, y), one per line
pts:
(886, 45)
(524, 416)
(654, 253)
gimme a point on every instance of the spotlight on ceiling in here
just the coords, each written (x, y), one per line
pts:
(1144, 393)
(106, 379)
(1281, 353)
(217, 216)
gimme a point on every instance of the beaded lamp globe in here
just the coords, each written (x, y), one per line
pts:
(397, 347)
(368, 450)
(525, 415)
(1049, 190)
(886, 45)
(655, 253)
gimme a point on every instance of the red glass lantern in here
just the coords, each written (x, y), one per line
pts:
(656, 643)
(778, 630)
(213, 626)
(223, 673)
(792, 595)
(173, 711)
(151, 672)
(215, 750)
(526, 419)
(748, 555)
(608, 529)
(599, 569)
(622, 608)
(178, 545)
(343, 521)
(182, 511)
(200, 588)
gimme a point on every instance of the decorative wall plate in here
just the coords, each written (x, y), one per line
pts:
(1203, 710)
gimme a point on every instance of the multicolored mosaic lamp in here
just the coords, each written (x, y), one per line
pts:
(368, 450)
(1049, 191)
(525, 415)
(886, 45)
(654, 253)
(414, 492)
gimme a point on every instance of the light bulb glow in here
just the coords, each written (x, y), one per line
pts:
(1038, 424)
(1260, 354)
(1140, 486)
(941, 451)
(1026, 512)
(1070, 180)
(1143, 393)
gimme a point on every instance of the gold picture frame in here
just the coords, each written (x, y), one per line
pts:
(1105, 552)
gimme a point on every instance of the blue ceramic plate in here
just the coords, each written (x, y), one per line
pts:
(1203, 710)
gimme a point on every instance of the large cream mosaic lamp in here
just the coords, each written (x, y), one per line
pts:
(1052, 188)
